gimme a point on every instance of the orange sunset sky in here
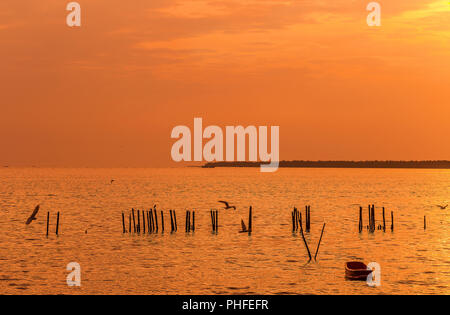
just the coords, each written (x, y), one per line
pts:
(109, 93)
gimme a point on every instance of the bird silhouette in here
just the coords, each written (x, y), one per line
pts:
(227, 205)
(112, 181)
(442, 207)
(33, 215)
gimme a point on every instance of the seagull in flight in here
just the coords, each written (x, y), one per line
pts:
(227, 205)
(442, 207)
(33, 215)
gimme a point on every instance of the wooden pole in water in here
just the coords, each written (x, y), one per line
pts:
(318, 245)
(212, 220)
(148, 221)
(156, 221)
(151, 221)
(306, 244)
(123, 223)
(217, 220)
(425, 222)
(250, 228)
(189, 221)
(171, 220)
(48, 221)
(384, 221)
(162, 221)
(143, 222)
(300, 221)
(360, 220)
(374, 220)
(130, 224)
(392, 220)
(175, 220)
(370, 218)
(293, 220)
(193, 220)
(186, 222)
(57, 223)
(134, 220)
(139, 222)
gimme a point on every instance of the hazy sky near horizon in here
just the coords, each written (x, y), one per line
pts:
(109, 93)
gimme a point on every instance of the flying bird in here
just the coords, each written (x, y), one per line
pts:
(442, 207)
(33, 215)
(227, 205)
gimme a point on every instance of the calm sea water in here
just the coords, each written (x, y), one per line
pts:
(272, 260)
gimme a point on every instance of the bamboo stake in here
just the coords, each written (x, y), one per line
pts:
(162, 221)
(250, 228)
(134, 220)
(139, 222)
(318, 245)
(123, 224)
(306, 244)
(360, 220)
(217, 220)
(143, 221)
(392, 220)
(130, 223)
(48, 221)
(156, 220)
(57, 224)
(171, 221)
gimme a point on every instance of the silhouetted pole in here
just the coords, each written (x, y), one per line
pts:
(306, 244)
(213, 220)
(134, 220)
(171, 221)
(130, 223)
(48, 221)
(250, 228)
(123, 223)
(57, 223)
(175, 220)
(384, 221)
(162, 221)
(217, 221)
(143, 222)
(152, 224)
(425, 222)
(300, 221)
(360, 220)
(392, 220)
(318, 245)
(156, 221)
(293, 220)
(139, 222)
(193, 220)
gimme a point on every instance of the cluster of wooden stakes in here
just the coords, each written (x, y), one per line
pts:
(372, 226)
(297, 225)
(57, 223)
(146, 221)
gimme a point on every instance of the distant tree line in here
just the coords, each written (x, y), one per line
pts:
(442, 164)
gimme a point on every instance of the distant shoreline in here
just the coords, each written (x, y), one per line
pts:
(442, 164)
